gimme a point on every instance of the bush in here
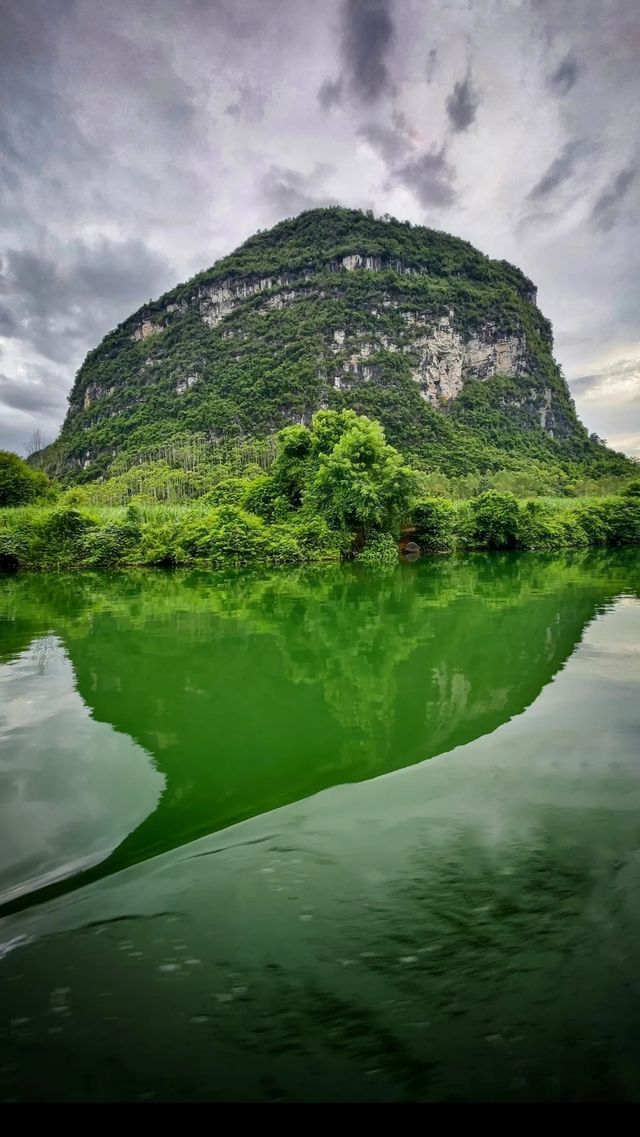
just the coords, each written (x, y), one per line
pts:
(632, 489)
(280, 546)
(228, 491)
(161, 542)
(496, 518)
(19, 483)
(593, 521)
(263, 497)
(224, 534)
(434, 521)
(379, 549)
(113, 544)
(59, 539)
(622, 519)
(316, 540)
(539, 527)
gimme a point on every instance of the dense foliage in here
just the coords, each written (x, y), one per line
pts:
(329, 491)
(19, 482)
(496, 520)
(295, 342)
(336, 490)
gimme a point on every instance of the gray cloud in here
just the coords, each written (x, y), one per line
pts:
(35, 125)
(368, 35)
(289, 192)
(462, 105)
(30, 395)
(56, 299)
(7, 322)
(565, 75)
(605, 211)
(561, 169)
(431, 63)
(430, 177)
(247, 105)
(140, 142)
(388, 141)
(330, 93)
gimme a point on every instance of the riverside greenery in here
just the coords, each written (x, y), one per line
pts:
(335, 491)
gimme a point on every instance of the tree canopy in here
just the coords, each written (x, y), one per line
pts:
(19, 482)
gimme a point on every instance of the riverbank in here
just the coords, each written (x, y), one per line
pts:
(60, 536)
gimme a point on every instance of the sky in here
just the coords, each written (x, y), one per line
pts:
(141, 140)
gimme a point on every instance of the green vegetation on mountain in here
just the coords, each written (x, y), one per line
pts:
(336, 309)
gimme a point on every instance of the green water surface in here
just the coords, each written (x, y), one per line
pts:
(228, 870)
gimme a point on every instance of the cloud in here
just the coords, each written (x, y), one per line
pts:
(565, 75)
(248, 104)
(289, 192)
(71, 294)
(430, 177)
(462, 105)
(609, 398)
(388, 141)
(330, 93)
(431, 63)
(7, 322)
(140, 142)
(617, 383)
(368, 35)
(605, 211)
(30, 395)
(561, 169)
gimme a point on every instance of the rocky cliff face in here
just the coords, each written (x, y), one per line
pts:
(330, 309)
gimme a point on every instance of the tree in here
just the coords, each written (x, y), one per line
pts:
(35, 444)
(497, 518)
(433, 520)
(361, 483)
(19, 483)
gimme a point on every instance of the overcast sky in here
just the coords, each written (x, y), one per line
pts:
(140, 140)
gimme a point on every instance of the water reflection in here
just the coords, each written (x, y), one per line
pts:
(70, 789)
(465, 929)
(253, 691)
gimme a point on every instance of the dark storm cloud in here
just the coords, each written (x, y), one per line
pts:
(54, 300)
(462, 105)
(289, 192)
(565, 75)
(388, 141)
(561, 169)
(330, 94)
(606, 209)
(30, 395)
(368, 35)
(35, 125)
(429, 177)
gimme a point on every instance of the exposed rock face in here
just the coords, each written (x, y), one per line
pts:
(144, 330)
(291, 323)
(186, 383)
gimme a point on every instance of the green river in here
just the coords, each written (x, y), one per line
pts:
(322, 835)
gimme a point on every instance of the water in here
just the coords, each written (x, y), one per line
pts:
(322, 835)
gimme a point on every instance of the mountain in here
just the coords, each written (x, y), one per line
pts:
(335, 308)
